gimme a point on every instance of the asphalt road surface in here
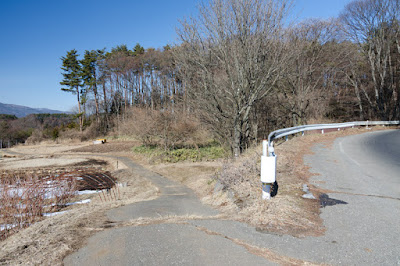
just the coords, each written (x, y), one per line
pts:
(362, 217)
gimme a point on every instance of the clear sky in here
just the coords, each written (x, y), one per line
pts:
(35, 34)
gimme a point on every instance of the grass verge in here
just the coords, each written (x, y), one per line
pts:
(158, 155)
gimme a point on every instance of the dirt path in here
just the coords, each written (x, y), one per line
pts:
(173, 229)
(168, 238)
(57, 155)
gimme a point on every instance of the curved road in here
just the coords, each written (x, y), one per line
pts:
(361, 214)
(363, 173)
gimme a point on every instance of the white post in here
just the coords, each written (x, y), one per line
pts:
(265, 147)
(268, 169)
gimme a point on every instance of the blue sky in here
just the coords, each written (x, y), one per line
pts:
(37, 33)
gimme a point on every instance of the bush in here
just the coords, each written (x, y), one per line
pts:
(36, 137)
(165, 129)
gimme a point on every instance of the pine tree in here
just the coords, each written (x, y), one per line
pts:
(89, 77)
(73, 78)
(138, 50)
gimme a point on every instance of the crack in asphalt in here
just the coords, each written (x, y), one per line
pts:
(365, 195)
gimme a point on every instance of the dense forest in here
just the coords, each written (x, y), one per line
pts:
(239, 72)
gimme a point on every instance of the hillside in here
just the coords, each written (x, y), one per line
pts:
(22, 111)
(15, 130)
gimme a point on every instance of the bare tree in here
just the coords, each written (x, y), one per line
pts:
(314, 57)
(232, 56)
(374, 26)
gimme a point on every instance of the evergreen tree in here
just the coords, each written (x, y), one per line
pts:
(73, 78)
(89, 77)
(138, 50)
(120, 49)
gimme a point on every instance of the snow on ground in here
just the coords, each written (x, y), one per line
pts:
(7, 226)
(50, 214)
(79, 202)
(47, 214)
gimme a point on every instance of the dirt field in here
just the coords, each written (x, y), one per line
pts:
(47, 242)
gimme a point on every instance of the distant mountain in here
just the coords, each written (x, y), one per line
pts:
(22, 111)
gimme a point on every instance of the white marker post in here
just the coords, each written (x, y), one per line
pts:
(268, 170)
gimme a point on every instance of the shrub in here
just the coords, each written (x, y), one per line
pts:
(167, 129)
(36, 137)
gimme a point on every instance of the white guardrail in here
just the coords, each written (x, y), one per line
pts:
(268, 159)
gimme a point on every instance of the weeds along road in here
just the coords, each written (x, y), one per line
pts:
(361, 213)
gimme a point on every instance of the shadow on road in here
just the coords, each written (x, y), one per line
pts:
(325, 200)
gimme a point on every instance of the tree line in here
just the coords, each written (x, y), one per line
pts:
(110, 82)
(243, 72)
(37, 127)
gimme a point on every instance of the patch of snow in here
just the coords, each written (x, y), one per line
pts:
(7, 226)
(308, 196)
(50, 214)
(85, 192)
(79, 202)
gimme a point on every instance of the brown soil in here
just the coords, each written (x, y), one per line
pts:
(108, 147)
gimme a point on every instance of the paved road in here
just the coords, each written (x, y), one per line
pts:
(163, 244)
(361, 216)
(364, 171)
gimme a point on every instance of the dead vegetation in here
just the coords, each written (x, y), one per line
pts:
(50, 239)
(234, 186)
(231, 186)
(108, 147)
(26, 197)
(166, 129)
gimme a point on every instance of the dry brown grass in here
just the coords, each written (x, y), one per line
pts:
(47, 242)
(240, 194)
(25, 198)
(108, 147)
(166, 129)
